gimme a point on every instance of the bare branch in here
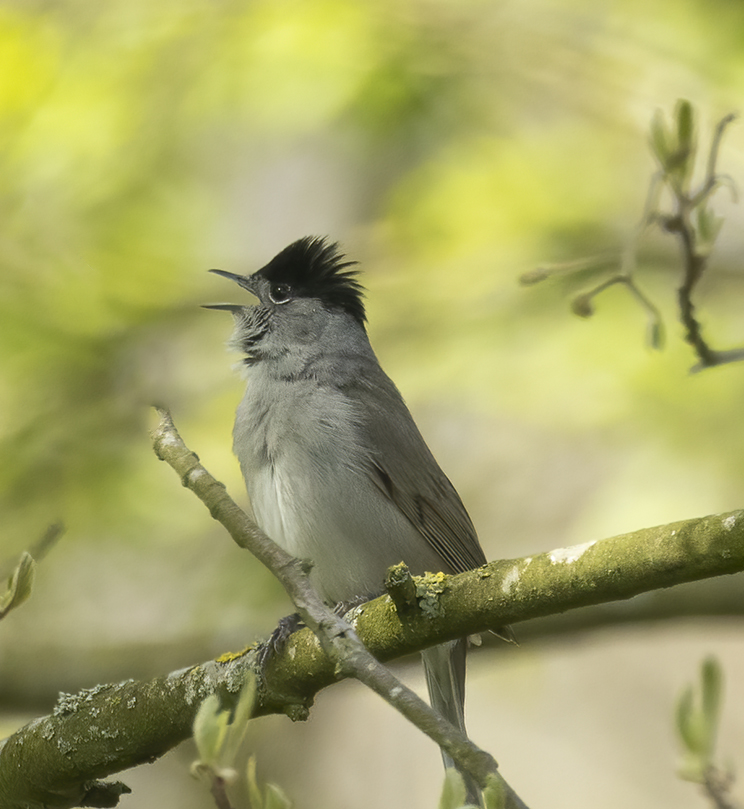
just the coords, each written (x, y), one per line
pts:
(675, 149)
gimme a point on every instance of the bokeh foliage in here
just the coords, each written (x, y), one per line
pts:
(449, 146)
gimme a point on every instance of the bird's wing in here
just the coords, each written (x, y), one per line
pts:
(403, 468)
(438, 515)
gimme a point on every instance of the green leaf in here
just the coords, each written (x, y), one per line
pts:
(210, 729)
(272, 798)
(679, 168)
(685, 124)
(219, 732)
(494, 795)
(708, 227)
(255, 799)
(661, 139)
(683, 718)
(240, 719)
(20, 584)
(655, 333)
(675, 148)
(275, 798)
(697, 715)
(453, 790)
(712, 688)
(692, 769)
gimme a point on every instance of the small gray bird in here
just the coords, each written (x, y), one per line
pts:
(336, 469)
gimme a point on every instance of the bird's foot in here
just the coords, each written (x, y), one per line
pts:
(279, 637)
(344, 606)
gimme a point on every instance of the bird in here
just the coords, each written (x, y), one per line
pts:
(336, 470)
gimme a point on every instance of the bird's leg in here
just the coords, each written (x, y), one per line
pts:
(291, 623)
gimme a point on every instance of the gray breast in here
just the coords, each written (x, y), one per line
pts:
(309, 476)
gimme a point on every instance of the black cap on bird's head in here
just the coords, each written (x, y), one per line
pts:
(311, 267)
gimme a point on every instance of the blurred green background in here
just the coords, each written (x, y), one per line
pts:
(450, 147)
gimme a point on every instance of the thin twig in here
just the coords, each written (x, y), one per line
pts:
(694, 264)
(219, 792)
(694, 259)
(39, 549)
(712, 178)
(674, 174)
(717, 786)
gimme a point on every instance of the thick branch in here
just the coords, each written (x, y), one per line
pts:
(114, 727)
(511, 591)
(70, 669)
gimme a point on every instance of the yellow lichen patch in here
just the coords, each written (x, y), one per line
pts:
(428, 589)
(228, 657)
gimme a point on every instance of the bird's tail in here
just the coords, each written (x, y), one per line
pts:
(444, 666)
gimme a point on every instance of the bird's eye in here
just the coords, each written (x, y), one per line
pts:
(280, 293)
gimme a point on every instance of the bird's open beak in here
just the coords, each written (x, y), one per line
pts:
(243, 280)
(233, 308)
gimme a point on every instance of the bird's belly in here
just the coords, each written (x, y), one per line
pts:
(350, 531)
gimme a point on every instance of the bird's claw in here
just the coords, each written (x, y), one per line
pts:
(342, 607)
(279, 637)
